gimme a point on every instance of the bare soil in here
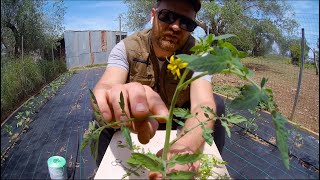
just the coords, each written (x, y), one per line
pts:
(283, 79)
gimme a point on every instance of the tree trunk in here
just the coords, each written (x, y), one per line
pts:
(16, 37)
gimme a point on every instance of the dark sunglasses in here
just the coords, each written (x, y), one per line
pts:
(170, 17)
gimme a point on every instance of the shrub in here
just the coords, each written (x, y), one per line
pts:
(20, 78)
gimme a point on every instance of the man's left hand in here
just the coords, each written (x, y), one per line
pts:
(177, 149)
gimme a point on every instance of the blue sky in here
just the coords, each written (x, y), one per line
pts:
(103, 15)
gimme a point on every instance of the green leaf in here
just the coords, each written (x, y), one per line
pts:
(126, 134)
(94, 148)
(211, 63)
(122, 102)
(235, 118)
(207, 109)
(182, 113)
(226, 127)
(186, 158)
(225, 36)
(96, 110)
(187, 58)
(85, 142)
(281, 136)
(152, 163)
(249, 98)
(210, 38)
(228, 45)
(207, 135)
(263, 82)
(178, 122)
(181, 175)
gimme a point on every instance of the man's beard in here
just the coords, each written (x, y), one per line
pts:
(169, 41)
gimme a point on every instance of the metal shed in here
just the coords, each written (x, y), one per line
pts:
(85, 48)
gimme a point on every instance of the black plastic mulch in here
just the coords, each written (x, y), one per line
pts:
(58, 127)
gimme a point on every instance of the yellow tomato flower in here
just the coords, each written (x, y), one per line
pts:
(175, 65)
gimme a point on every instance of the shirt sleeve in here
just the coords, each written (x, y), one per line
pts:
(207, 77)
(118, 57)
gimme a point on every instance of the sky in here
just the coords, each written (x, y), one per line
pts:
(104, 15)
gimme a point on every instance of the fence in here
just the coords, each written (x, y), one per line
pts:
(296, 88)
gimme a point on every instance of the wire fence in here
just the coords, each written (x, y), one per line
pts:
(296, 87)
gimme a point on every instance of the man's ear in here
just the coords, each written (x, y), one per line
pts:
(152, 14)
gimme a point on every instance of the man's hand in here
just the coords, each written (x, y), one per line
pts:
(140, 102)
(177, 149)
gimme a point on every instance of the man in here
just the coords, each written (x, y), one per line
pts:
(137, 67)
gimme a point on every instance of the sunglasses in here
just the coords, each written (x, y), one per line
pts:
(170, 17)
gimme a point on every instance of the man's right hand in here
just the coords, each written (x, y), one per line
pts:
(140, 102)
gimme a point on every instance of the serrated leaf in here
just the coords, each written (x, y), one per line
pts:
(207, 135)
(249, 98)
(121, 103)
(126, 134)
(182, 113)
(186, 158)
(150, 162)
(281, 136)
(226, 127)
(235, 118)
(207, 109)
(187, 58)
(211, 63)
(178, 122)
(181, 175)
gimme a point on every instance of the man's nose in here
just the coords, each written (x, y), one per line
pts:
(176, 25)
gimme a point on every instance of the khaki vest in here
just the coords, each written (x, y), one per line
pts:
(144, 67)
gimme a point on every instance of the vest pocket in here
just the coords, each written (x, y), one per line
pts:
(141, 73)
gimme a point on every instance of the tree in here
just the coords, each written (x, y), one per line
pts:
(258, 24)
(39, 22)
(138, 14)
(295, 50)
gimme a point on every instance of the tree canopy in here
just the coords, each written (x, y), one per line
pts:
(39, 22)
(257, 24)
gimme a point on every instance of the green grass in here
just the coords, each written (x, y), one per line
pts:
(227, 90)
(19, 79)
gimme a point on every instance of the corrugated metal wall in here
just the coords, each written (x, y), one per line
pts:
(85, 48)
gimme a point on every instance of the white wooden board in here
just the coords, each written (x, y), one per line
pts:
(114, 166)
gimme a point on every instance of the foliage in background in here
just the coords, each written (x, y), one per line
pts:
(20, 78)
(257, 24)
(40, 22)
